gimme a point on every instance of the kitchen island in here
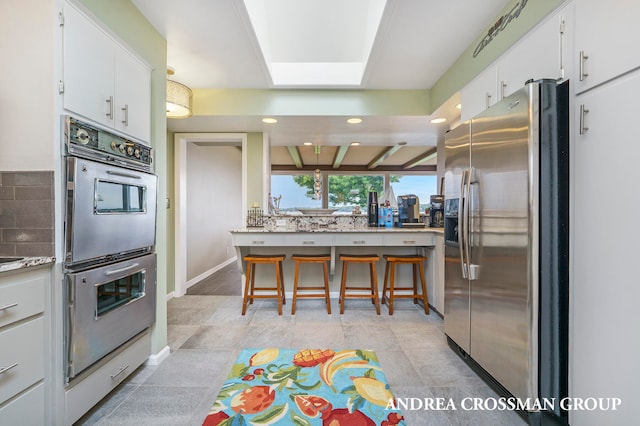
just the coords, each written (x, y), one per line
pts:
(354, 240)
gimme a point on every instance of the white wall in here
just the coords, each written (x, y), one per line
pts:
(214, 207)
(26, 106)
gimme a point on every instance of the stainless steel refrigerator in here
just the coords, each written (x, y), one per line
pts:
(507, 244)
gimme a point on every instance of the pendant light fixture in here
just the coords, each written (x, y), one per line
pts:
(179, 98)
(317, 177)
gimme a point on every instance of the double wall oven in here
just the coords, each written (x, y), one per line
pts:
(110, 228)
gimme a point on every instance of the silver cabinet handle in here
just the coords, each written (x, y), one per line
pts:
(309, 242)
(126, 115)
(358, 242)
(110, 103)
(488, 99)
(409, 242)
(257, 242)
(5, 369)
(117, 271)
(583, 58)
(119, 372)
(583, 111)
(12, 305)
(503, 86)
(122, 174)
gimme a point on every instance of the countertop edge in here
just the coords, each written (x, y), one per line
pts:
(26, 262)
(336, 231)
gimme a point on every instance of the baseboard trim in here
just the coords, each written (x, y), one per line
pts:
(156, 359)
(171, 295)
(208, 273)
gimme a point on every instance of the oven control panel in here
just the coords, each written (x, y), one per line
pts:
(82, 138)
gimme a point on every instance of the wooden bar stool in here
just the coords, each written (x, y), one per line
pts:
(249, 284)
(311, 258)
(418, 265)
(372, 260)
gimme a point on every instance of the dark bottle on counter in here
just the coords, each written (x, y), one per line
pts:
(372, 208)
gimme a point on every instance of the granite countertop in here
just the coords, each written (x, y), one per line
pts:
(340, 230)
(25, 262)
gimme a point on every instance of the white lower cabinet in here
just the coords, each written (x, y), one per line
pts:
(25, 410)
(87, 391)
(604, 289)
(22, 346)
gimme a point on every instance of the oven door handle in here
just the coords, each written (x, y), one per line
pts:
(121, 174)
(117, 271)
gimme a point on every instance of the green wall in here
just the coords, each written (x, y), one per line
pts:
(255, 169)
(467, 67)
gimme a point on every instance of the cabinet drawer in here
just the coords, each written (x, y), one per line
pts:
(258, 239)
(304, 240)
(84, 394)
(358, 239)
(21, 357)
(26, 410)
(409, 239)
(21, 299)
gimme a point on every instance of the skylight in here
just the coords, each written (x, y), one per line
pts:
(316, 42)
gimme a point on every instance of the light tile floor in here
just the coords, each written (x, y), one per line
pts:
(206, 333)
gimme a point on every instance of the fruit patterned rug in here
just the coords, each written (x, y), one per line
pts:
(305, 388)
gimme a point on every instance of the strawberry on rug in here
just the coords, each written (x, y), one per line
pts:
(305, 388)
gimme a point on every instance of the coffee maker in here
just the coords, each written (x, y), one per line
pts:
(436, 212)
(409, 211)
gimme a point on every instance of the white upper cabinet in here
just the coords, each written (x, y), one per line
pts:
(480, 93)
(606, 42)
(132, 96)
(538, 55)
(102, 80)
(542, 53)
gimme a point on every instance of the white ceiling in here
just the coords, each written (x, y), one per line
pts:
(211, 44)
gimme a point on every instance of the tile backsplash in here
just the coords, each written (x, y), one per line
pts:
(26, 213)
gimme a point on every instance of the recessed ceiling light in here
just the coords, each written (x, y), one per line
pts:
(308, 143)
(355, 143)
(438, 120)
(459, 106)
(269, 120)
(354, 120)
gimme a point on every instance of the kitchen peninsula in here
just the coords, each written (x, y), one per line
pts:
(335, 234)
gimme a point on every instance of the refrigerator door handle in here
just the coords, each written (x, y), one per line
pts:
(461, 226)
(466, 220)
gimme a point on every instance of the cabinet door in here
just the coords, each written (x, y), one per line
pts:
(536, 56)
(480, 93)
(88, 68)
(132, 96)
(607, 32)
(604, 288)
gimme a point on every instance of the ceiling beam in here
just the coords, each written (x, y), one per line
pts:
(350, 168)
(295, 156)
(383, 156)
(426, 156)
(340, 153)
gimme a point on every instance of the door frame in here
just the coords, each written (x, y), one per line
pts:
(180, 194)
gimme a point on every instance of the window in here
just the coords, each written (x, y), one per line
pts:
(348, 191)
(424, 186)
(296, 191)
(345, 191)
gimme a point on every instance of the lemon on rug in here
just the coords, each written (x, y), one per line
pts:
(308, 387)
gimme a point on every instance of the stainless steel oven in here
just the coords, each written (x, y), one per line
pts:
(111, 196)
(110, 230)
(106, 306)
